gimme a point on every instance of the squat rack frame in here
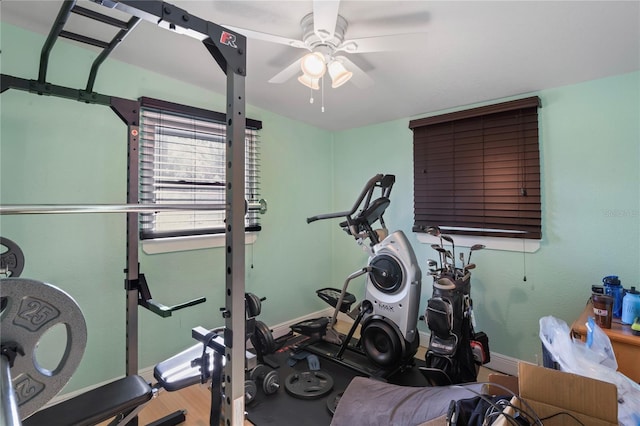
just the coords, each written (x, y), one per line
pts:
(229, 51)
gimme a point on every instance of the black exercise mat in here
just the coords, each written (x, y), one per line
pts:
(283, 409)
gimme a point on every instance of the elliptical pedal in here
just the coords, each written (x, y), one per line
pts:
(314, 328)
(332, 296)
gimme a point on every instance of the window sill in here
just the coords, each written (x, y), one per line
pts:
(493, 243)
(197, 242)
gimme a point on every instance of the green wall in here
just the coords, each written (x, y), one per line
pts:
(61, 151)
(590, 157)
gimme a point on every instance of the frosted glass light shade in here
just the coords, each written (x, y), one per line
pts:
(339, 74)
(313, 65)
(313, 83)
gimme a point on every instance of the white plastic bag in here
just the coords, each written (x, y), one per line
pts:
(597, 362)
(555, 336)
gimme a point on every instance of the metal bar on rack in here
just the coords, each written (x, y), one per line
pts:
(132, 268)
(9, 415)
(14, 209)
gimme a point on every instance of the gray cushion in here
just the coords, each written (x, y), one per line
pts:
(372, 402)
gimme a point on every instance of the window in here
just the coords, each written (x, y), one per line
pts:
(477, 172)
(182, 161)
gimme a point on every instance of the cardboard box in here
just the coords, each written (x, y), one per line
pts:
(548, 392)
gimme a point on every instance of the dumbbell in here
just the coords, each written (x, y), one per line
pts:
(250, 391)
(268, 377)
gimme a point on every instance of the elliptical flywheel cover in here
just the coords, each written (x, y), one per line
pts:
(387, 275)
(382, 343)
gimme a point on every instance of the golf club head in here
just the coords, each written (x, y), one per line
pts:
(433, 231)
(447, 238)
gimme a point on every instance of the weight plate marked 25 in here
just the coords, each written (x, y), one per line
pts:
(31, 308)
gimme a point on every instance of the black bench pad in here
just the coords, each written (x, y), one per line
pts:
(95, 406)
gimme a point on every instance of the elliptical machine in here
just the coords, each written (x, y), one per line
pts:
(388, 314)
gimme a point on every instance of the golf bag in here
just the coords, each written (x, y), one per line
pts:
(455, 351)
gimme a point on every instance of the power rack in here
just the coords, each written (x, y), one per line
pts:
(228, 49)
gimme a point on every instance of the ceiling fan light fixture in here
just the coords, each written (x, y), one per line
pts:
(313, 65)
(313, 83)
(339, 74)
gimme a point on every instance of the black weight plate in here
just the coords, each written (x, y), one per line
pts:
(271, 382)
(259, 372)
(250, 391)
(262, 339)
(308, 384)
(11, 257)
(253, 304)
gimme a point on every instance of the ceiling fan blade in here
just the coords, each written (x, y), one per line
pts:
(256, 35)
(325, 15)
(287, 73)
(386, 43)
(359, 78)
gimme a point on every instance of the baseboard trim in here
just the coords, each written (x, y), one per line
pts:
(503, 364)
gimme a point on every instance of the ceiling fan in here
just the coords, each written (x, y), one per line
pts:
(323, 35)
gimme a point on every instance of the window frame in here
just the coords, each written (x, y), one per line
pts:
(471, 197)
(252, 223)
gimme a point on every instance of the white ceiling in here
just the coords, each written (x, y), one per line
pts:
(463, 52)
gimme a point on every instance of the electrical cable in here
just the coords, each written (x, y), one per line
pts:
(563, 413)
(501, 404)
(509, 417)
(530, 414)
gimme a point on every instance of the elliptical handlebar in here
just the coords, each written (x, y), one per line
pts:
(383, 181)
(365, 212)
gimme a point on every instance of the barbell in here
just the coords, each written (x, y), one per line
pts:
(16, 209)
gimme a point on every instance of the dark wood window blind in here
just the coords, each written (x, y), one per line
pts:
(477, 172)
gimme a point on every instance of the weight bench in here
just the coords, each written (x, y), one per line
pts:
(126, 397)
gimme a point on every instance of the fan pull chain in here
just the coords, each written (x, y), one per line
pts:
(310, 95)
(322, 93)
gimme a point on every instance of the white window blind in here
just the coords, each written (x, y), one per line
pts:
(182, 161)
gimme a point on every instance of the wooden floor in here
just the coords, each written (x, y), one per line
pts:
(196, 400)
